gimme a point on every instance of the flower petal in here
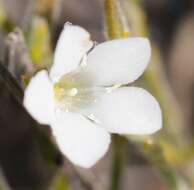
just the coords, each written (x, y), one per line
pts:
(119, 61)
(73, 44)
(128, 110)
(39, 98)
(83, 142)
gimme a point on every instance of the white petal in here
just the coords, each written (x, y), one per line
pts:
(83, 142)
(39, 98)
(128, 110)
(119, 61)
(73, 44)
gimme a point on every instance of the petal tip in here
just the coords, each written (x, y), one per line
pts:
(147, 46)
(92, 163)
(82, 142)
(38, 98)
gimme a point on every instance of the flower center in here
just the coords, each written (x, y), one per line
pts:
(74, 91)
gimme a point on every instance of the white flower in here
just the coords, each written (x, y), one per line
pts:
(82, 97)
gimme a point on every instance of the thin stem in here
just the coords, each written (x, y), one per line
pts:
(118, 162)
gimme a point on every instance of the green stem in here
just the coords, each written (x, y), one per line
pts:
(115, 23)
(118, 162)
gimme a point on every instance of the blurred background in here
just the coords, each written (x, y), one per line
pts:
(29, 158)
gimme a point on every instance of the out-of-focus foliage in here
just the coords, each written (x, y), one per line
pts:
(39, 43)
(45, 6)
(5, 24)
(61, 182)
(2, 15)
